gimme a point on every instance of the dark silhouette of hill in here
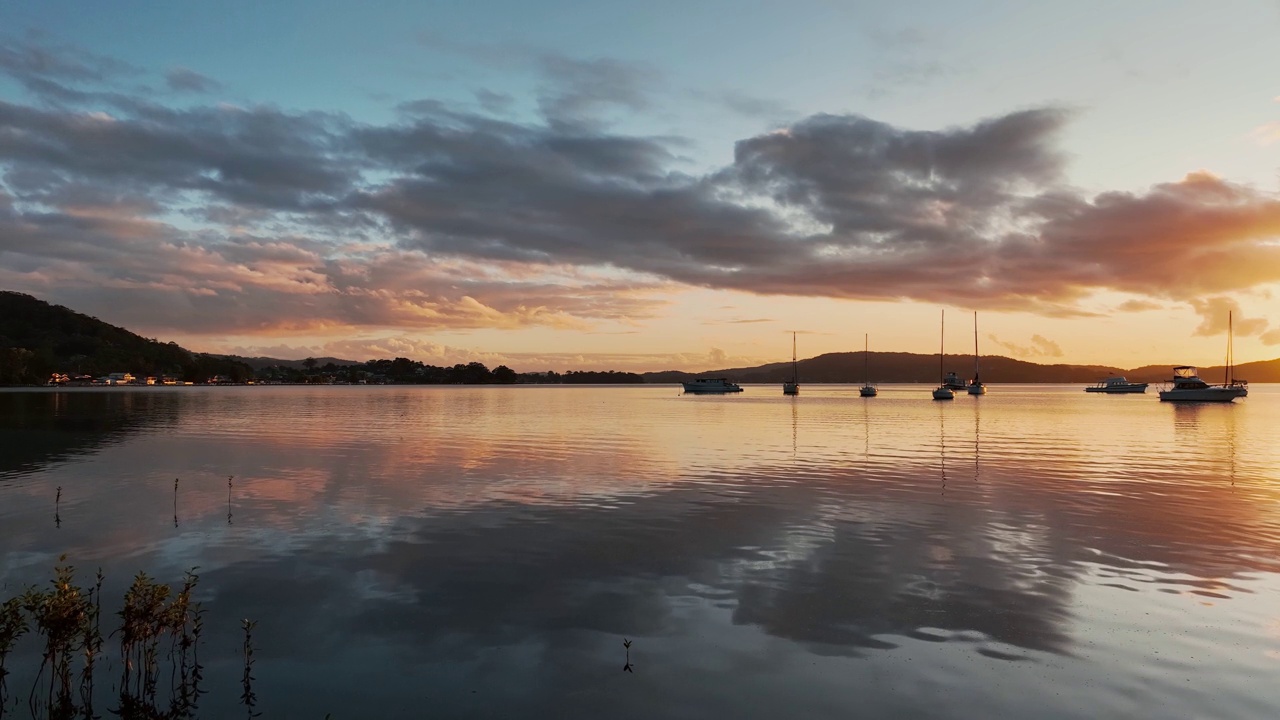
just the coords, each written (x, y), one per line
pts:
(258, 363)
(912, 367)
(1261, 371)
(38, 339)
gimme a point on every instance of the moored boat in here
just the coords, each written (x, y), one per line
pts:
(711, 385)
(1188, 387)
(944, 390)
(975, 386)
(953, 382)
(1118, 385)
(867, 390)
(792, 387)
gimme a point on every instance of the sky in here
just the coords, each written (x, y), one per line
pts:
(627, 186)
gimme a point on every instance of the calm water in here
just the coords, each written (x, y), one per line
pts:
(482, 552)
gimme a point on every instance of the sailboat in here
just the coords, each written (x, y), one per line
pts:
(975, 386)
(793, 387)
(943, 392)
(868, 390)
(1187, 385)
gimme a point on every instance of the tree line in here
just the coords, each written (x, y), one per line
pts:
(403, 371)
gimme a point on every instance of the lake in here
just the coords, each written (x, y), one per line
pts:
(484, 551)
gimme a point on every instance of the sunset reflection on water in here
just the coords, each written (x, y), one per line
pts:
(765, 554)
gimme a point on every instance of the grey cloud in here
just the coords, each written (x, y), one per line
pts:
(494, 102)
(187, 80)
(747, 105)
(25, 58)
(256, 156)
(576, 91)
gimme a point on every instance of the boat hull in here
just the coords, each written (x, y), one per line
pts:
(977, 389)
(1118, 390)
(868, 391)
(944, 393)
(790, 388)
(695, 388)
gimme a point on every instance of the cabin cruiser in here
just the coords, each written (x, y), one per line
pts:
(1116, 386)
(953, 382)
(1187, 386)
(711, 385)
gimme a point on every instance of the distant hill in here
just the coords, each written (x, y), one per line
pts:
(911, 367)
(1262, 371)
(38, 339)
(258, 363)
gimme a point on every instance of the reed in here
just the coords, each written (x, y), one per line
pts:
(247, 696)
(59, 616)
(157, 625)
(13, 625)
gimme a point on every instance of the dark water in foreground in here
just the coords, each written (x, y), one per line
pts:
(482, 552)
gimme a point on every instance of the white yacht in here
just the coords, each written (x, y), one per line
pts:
(1118, 385)
(1188, 387)
(711, 385)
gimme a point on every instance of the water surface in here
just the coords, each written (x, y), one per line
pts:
(1036, 552)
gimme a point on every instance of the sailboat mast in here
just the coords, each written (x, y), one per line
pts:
(1226, 372)
(942, 343)
(795, 370)
(975, 345)
(866, 359)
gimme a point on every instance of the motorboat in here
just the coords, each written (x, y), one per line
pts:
(975, 386)
(792, 387)
(711, 385)
(867, 389)
(1118, 385)
(1188, 387)
(954, 382)
(944, 390)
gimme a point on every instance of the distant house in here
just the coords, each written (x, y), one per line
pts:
(120, 378)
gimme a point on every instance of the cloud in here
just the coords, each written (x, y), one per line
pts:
(743, 321)
(494, 102)
(1215, 312)
(186, 80)
(576, 91)
(1266, 133)
(448, 218)
(434, 353)
(1040, 347)
(747, 105)
(1138, 306)
(1271, 337)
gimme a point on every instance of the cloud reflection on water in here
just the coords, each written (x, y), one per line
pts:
(464, 531)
